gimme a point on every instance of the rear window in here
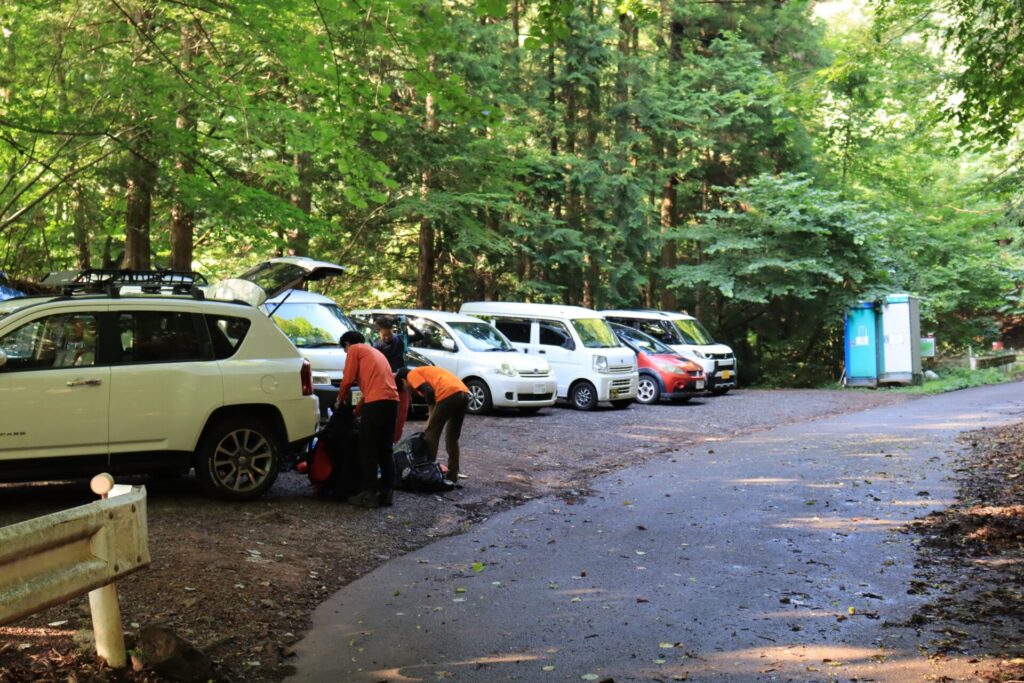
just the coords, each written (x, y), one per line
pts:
(227, 334)
(158, 337)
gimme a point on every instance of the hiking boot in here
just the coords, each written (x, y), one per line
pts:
(386, 498)
(365, 499)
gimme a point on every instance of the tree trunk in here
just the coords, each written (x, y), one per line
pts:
(139, 214)
(183, 217)
(427, 253)
(142, 172)
(80, 216)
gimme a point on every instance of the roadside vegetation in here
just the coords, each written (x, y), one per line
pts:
(962, 378)
(759, 165)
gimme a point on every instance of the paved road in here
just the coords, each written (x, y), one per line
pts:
(768, 557)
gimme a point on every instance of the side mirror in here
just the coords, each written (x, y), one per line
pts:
(3, 359)
(448, 344)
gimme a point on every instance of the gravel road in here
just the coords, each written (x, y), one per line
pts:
(240, 581)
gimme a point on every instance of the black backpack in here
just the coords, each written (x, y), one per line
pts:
(414, 469)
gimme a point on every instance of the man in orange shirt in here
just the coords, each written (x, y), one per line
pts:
(448, 399)
(377, 410)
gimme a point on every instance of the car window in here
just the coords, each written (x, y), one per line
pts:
(662, 330)
(595, 333)
(693, 332)
(424, 334)
(645, 343)
(515, 330)
(158, 337)
(481, 337)
(57, 341)
(554, 333)
(226, 333)
(311, 325)
(273, 276)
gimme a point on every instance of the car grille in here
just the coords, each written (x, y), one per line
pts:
(694, 373)
(722, 357)
(534, 373)
(621, 384)
(535, 397)
(335, 382)
(620, 368)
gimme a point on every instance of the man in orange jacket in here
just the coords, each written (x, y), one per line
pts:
(448, 399)
(377, 410)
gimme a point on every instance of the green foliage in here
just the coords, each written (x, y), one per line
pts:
(741, 161)
(958, 378)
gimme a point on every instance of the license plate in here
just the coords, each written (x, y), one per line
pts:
(700, 384)
(613, 393)
(357, 396)
(540, 389)
(726, 374)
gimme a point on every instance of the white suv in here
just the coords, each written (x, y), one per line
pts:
(148, 384)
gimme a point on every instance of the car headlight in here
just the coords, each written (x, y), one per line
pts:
(601, 363)
(321, 378)
(698, 354)
(506, 370)
(671, 367)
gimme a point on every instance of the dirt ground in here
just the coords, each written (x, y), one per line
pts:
(972, 557)
(240, 581)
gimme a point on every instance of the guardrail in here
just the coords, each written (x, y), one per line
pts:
(978, 362)
(48, 560)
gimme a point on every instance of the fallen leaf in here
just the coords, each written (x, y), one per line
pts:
(477, 566)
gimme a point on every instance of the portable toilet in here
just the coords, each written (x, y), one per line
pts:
(900, 333)
(862, 345)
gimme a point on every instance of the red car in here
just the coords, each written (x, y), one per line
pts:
(663, 372)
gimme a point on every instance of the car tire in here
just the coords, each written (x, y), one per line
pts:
(238, 460)
(622, 403)
(583, 396)
(648, 390)
(479, 397)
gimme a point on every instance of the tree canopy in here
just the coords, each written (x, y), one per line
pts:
(752, 162)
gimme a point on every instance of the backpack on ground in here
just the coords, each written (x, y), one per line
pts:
(414, 469)
(332, 460)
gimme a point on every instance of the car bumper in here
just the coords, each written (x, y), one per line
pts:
(616, 387)
(523, 392)
(684, 388)
(722, 379)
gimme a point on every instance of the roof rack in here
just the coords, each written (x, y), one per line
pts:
(109, 281)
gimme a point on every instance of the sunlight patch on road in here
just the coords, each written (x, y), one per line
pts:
(841, 524)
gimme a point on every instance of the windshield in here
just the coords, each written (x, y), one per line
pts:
(310, 324)
(595, 333)
(693, 332)
(644, 343)
(481, 337)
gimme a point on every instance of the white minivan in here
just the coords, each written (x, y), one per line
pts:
(496, 375)
(589, 362)
(687, 336)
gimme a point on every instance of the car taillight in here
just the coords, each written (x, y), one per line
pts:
(307, 378)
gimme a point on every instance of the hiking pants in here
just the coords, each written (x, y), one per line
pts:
(450, 411)
(376, 427)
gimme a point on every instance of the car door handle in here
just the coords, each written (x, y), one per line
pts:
(542, 351)
(85, 382)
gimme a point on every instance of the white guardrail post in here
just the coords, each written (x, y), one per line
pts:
(48, 560)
